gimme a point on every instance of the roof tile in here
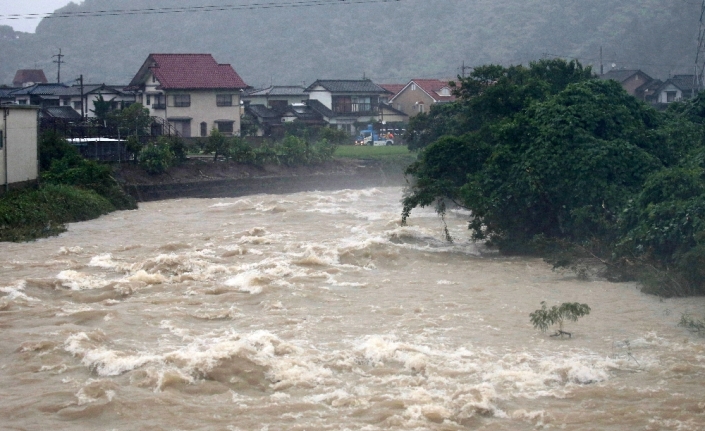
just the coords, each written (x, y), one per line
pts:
(194, 71)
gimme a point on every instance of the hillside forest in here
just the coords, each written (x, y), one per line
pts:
(388, 41)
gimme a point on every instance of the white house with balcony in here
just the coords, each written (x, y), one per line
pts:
(192, 92)
(349, 104)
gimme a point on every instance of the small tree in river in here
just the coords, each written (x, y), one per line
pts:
(545, 317)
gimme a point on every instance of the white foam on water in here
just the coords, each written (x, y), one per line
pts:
(252, 282)
(14, 294)
(75, 280)
(70, 250)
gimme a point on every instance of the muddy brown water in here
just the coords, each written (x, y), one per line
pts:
(318, 311)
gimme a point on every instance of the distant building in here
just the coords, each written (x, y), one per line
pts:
(419, 95)
(346, 104)
(191, 91)
(27, 77)
(676, 88)
(635, 82)
(276, 97)
(19, 164)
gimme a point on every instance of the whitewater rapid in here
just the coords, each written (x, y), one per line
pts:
(318, 311)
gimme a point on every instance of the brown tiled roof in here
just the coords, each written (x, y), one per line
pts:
(29, 75)
(393, 88)
(191, 71)
(433, 87)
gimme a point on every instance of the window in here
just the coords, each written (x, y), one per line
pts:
(77, 106)
(182, 100)
(226, 127)
(159, 102)
(422, 108)
(2, 142)
(182, 127)
(204, 129)
(224, 100)
(22, 102)
(149, 100)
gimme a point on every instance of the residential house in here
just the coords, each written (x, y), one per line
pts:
(27, 77)
(392, 89)
(276, 97)
(82, 99)
(347, 104)
(43, 95)
(676, 88)
(270, 121)
(19, 164)
(635, 82)
(191, 91)
(419, 95)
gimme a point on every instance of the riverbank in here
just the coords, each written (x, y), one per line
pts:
(199, 177)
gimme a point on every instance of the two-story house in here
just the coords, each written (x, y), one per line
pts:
(418, 95)
(191, 91)
(345, 103)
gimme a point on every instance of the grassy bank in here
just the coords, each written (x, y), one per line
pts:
(30, 214)
(373, 153)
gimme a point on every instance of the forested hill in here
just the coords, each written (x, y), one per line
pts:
(387, 41)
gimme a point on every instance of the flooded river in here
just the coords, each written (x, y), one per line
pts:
(318, 311)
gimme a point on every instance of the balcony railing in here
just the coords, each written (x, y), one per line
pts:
(158, 105)
(350, 108)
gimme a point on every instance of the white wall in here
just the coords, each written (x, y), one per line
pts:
(204, 108)
(662, 97)
(322, 95)
(19, 126)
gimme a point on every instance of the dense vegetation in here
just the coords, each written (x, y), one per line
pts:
(550, 159)
(71, 189)
(387, 41)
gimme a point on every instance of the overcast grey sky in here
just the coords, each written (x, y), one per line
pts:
(23, 7)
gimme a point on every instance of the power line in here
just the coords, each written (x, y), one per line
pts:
(191, 9)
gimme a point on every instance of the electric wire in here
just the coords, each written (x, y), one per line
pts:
(191, 9)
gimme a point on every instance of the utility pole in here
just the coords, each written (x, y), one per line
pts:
(59, 62)
(700, 53)
(463, 67)
(80, 80)
(602, 68)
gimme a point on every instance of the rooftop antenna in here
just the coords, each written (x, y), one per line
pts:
(59, 56)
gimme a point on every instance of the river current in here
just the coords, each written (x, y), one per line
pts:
(318, 311)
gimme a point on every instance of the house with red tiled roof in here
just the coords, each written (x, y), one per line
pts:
(192, 92)
(393, 89)
(27, 77)
(419, 94)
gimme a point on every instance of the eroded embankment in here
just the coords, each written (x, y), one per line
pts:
(214, 181)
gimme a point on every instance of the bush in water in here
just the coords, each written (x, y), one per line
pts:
(558, 314)
(30, 214)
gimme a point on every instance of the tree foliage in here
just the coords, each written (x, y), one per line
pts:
(544, 317)
(547, 154)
